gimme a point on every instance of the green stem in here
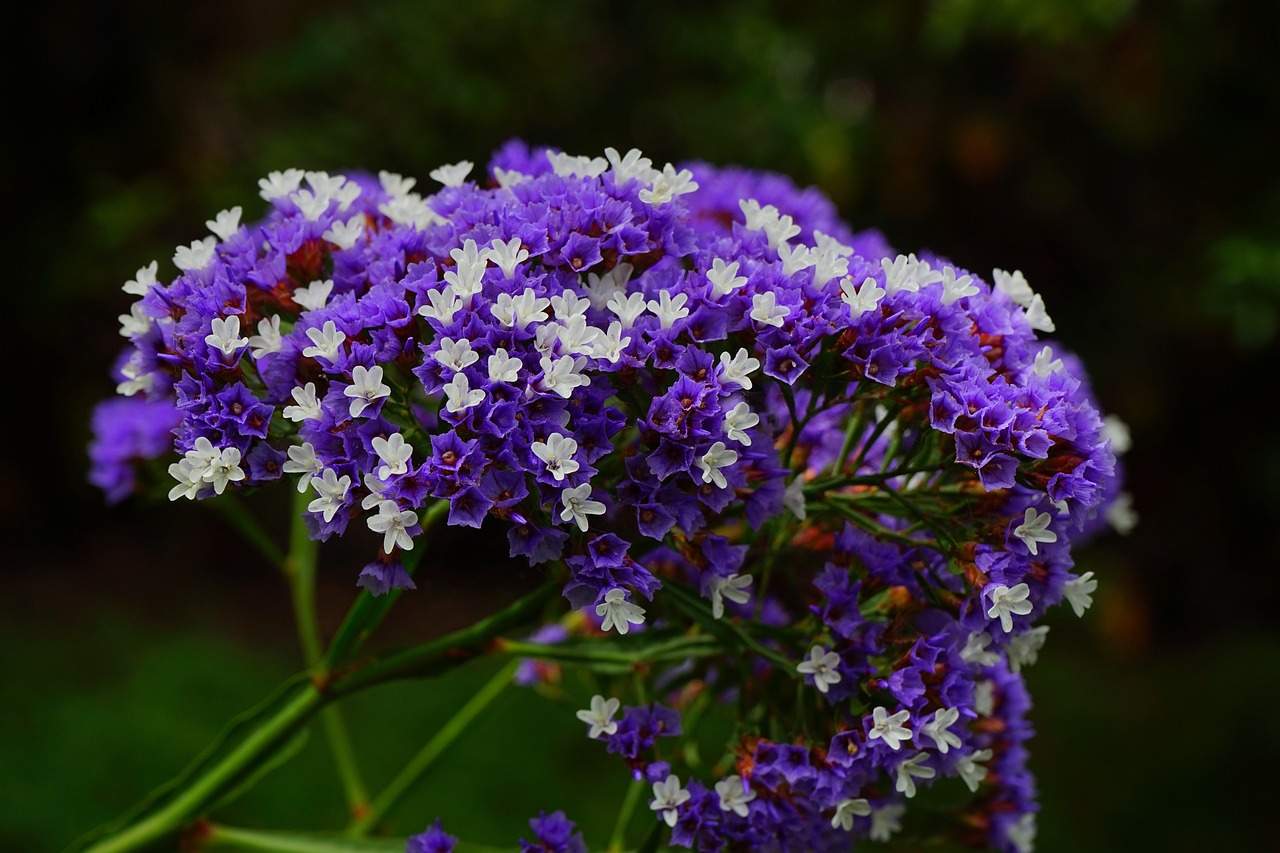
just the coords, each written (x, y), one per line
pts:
(300, 569)
(434, 748)
(219, 837)
(624, 816)
(237, 514)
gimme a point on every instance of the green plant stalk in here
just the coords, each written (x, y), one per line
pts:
(434, 748)
(300, 569)
(629, 801)
(219, 837)
(237, 514)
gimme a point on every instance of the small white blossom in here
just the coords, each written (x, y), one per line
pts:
(225, 335)
(737, 421)
(907, 272)
(452, 174)
(732, 587)
(1023, 649)
(718, 456)
(460, 396)
(602, 288)
(1079, 592)
(618, 613)
(312, 205)
(600, 716)
(135, 380)
(190, 480)
(393, 525)
(1045, 363)
(569, 165)
(779, 230)
(503, 367)
(668, 184)
(888, 727)
(738, 370)
(668, 309)
(954, 288)
(628, 307)
(327, 342)
(395, 454)
(563, 375)
(793, 497)
(1121, 515)
(366, 387)
(971, 771)
(822, 665)
(456, 355)
(1034, 529)
(976, 650)
(885, 821)
(508, 255)
(577, 337)
(578, 505)
(196, 256)
(724, 278)
(846, 810)
(1037, 317)
(332, 491)
(143, 280)
(467, 276)
(910, 770)
(268, 340)
(315, 295)
(609, 345)
(1022, 835)
(567, 305)
(135, 322)
(984, 697)
(508, 177)
(861, 300)
(1005, 602)
(325, 184)
(346, 194)
(556, 454)
(520, 310)
(376, 492)
(410, 209)
(1014, 285)
(1114, 430)
(344, 235)
(937, 728)
(307, 406)
(629, 166)
(441, 305)
(796, 258)
(302, 460)
(755, 215)
(668, 796)
(765, 309)
(734, 795)
(395, 185)
(225, 224)
(277, 185)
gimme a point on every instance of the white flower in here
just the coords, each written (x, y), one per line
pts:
(1079, 592)
(890, 728)
(984, 697)
(134, 378)
(738, 369)
(190, 480)
(1121, 515)
(724, 278)
(143, 280)
(734, 795)
(1045, 363)
(456, 355)
(793, 497)
(325, 184)
(618, 613)
(508, 177)
(737, 421)
(196, 256)
(503, 367)
(1005, 602)
(307, 407)
(521, 310)
(395, 185)
(313, 205)
(557, 454)
(226, 335)
(1114, 429)
(467, 276)
(600, 716)
(755, 215)
(936, 728)
(268, 339)
(569, 165)
(822, 666)
(765, 309)
(327, 342)
(393, 524)
(971, 771)
(578, 505)
(1037, 317)
(885, 821)
(631, 165)
(862, 300)
(332, 491)
(376, 492)
(1024, 648)
(314, 296)
(366, 387)
(668, 796)
(279, 184)
(846, 810)
(508, 255)
(904, 273)
(732, 587)
(568, 305)
(394, 452)
(628, 307)
(1035, 529)
(347, 193)
(344, 235)
(1014, 285)
(576, 337)
(452, 174)
(779, 229)
(225, 224)
(1022, 834)
(602, 288)
(460, 396)
(609, 345)
(668, 184)
(910, 770)
(668, 309)
(441, 305)
(975, 650)
(302, 460)
(562, 375)
(410, 209)
(718, 456)
(956, 288)
(797, 258)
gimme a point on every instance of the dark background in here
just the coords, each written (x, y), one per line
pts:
(1121, 154)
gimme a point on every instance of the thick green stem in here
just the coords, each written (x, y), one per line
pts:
(219, 837)
(435, 747)
(300, 569)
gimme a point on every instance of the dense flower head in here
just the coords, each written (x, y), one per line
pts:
(690, 377)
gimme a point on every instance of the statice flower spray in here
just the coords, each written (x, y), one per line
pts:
(757, 458)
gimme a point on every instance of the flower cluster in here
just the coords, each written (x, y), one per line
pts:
(870, 463)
